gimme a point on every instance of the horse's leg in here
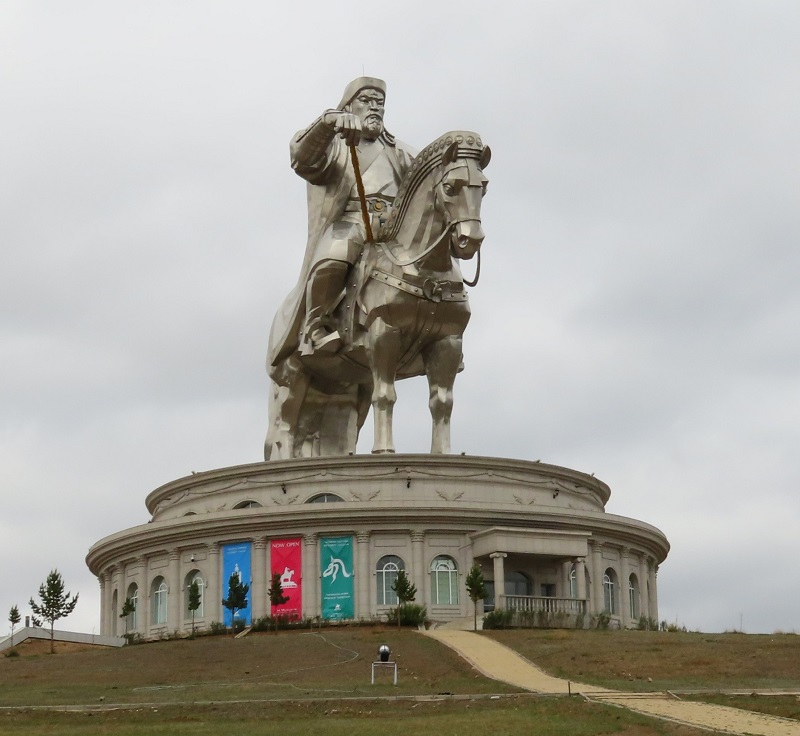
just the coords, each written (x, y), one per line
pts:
(384, 352)
(286, 403)
(363, 403)
(441, 359)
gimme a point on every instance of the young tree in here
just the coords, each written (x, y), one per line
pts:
(194, 599)
(476, 589)
(55, 603)
(237, 598)
(276, 596)
(405, 590)
(128, 608)
(14, 619)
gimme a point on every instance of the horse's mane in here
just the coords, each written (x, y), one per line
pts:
(469, 146)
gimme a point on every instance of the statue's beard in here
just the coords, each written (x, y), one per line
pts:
(372, 127)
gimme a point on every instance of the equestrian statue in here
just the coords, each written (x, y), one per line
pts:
(380, 295)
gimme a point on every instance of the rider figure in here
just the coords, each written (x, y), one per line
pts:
(336, 232)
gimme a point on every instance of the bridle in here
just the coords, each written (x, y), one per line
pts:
(384, 249)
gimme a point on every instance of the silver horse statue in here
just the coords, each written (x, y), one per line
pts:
(403, 314)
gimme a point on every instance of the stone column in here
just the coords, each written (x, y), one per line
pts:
(174, 592)
(118, 582)
(644, 599)
(597, 578)
(311, 606)
(580, 579)
(101, 581)
(259, 595)
(499, 579)
(624, 588)
(112, 612)
(143, 604)
(143, 586)
(213, 593)
(652, 583)
(418, 572)
(562, 586)
(363, 573)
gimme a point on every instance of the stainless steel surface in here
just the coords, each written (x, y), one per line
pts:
(400, 308)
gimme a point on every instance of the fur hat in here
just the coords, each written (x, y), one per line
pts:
(352, 89)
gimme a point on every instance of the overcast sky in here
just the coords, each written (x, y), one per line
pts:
(638, 311)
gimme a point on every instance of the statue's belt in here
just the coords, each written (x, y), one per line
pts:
(378, 205)
(425, 288)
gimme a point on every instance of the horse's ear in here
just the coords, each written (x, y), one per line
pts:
(450, 153)
(486, 157)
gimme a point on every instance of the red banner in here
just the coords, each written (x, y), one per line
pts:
(286, 560)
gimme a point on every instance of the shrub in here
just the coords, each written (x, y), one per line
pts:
(410, 614)
(217, 628)
(498, 619)
(12, 653)
(281, 621)
(602, 620)
(647, 624)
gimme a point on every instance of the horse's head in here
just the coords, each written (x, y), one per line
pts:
(458, 194)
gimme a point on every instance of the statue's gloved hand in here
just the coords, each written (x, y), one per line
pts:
(345, 124)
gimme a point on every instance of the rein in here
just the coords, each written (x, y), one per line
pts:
(477, 272)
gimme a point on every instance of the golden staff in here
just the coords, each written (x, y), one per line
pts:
(361, 196)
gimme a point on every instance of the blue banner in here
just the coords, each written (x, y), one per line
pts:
(336, 563)
(236, 561)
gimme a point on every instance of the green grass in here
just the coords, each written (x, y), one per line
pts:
(658, 660)
(299, 683)
(786, 706)
(335, 663)
(504, 717)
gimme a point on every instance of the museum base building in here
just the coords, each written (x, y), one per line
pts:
(336, 531)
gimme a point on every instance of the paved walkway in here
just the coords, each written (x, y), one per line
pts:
(501, 663)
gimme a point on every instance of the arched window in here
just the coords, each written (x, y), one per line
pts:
(386, 573)
(193, 576)
(248, 505)
(158, 601)
(133, 618)
(633, 596)
(518, 583)
(444, 581)
(573, 583)
(325, 498)
(609, 592)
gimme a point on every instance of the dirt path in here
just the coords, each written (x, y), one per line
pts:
(501, 663)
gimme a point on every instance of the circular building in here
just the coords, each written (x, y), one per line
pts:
(330, 535)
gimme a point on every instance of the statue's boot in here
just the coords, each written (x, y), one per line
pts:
(322, 293)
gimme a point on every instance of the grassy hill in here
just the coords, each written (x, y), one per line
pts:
(305, 683)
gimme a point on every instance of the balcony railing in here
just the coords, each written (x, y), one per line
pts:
(545, 604)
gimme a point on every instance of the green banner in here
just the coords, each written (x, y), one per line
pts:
(336, 563)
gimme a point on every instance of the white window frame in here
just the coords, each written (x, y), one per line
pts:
(386, 571)
(444, 581)
(160, 602)
(609, 594)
